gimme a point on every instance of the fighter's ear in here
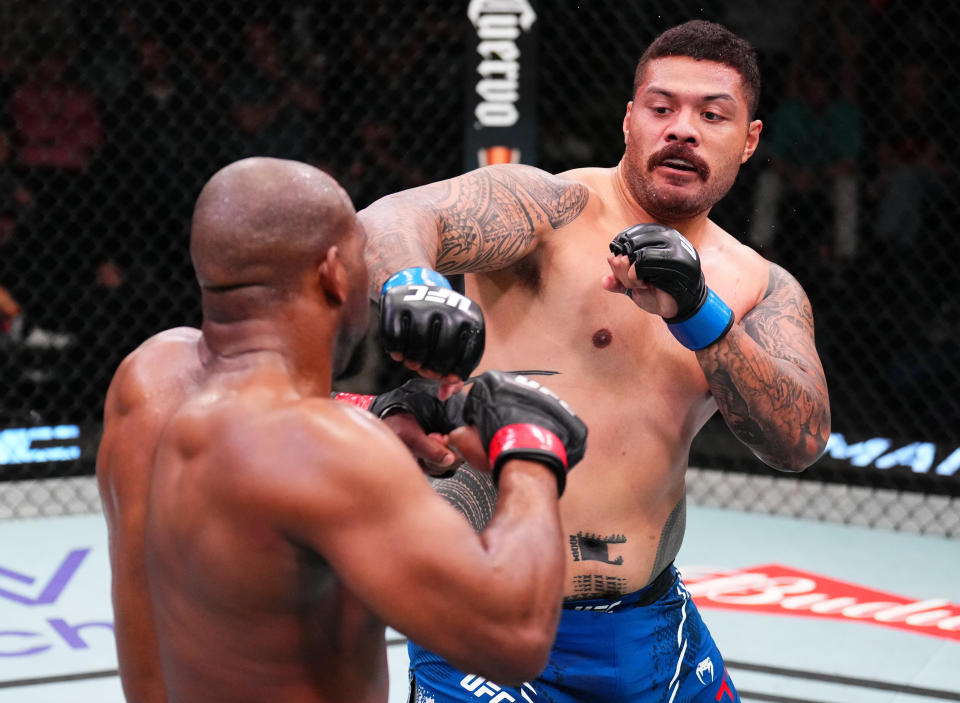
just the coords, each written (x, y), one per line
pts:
(626, 121)
(753, 138)
(332, 277)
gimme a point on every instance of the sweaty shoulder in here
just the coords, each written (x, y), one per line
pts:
(264, 432)
(316, 451)
(162, 361)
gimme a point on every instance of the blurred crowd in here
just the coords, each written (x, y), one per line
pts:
(112, 115)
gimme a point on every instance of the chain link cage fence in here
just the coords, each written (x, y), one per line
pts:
(113, 115)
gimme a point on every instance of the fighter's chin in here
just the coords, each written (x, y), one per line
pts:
(669, 207)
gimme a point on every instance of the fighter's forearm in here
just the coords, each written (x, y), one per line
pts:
(779, 411)
(513, 583)
(768, 382)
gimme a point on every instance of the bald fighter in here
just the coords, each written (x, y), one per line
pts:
(262, 532)
(706, 324)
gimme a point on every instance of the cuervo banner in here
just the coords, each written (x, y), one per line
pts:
(501, 83)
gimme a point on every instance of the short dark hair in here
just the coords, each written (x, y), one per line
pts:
(707, 41)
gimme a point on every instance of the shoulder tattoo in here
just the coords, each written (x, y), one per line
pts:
(489, 216)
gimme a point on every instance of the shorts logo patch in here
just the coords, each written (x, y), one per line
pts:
(705, 671)
(602, 608)
(480, 687)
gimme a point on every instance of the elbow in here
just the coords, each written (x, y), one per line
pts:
(790, 465)
(802, 455)
(529, 651)
(508, 649)
(519, 655)
(800, 450)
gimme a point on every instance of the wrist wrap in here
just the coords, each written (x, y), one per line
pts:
(361, 401)
(416, 276)
(527, 441)
(706, 325)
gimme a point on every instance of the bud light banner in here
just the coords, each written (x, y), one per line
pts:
(783, 590)
(501, 83)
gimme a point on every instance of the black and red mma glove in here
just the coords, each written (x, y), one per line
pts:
(518, 418)
(418, 396)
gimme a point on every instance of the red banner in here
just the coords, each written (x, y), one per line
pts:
(781, 590)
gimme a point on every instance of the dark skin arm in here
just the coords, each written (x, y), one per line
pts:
(767, 378)
(487, 602)
(123, 477)
(147, 387)
(484, 220)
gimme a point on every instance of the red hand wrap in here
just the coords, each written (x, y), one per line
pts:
(361, 401)
(524, 436)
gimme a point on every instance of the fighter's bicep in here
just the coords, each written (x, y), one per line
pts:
(374, 518)
(782, 322)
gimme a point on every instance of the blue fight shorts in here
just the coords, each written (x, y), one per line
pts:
(649, 646)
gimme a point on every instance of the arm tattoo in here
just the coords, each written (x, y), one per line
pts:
(767, 379)
(484, 220)
(490, 216)
(471, 492)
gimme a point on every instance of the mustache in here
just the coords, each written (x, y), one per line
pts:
(679, 151)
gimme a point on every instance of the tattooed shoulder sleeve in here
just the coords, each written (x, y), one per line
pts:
(484, 220)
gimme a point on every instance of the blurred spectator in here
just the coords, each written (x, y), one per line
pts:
(773, 35)
(57, 120)
(915, 246)
(146, 183)
(111, 32)
(15, 197)
(279, 104)
(209, 106)
(6, 84)
(9, 311)
(379, 166)
(813, 143)
(16, 201)
(57, 129)
(910, 166)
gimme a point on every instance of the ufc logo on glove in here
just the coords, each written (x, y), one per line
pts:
(435, 294)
